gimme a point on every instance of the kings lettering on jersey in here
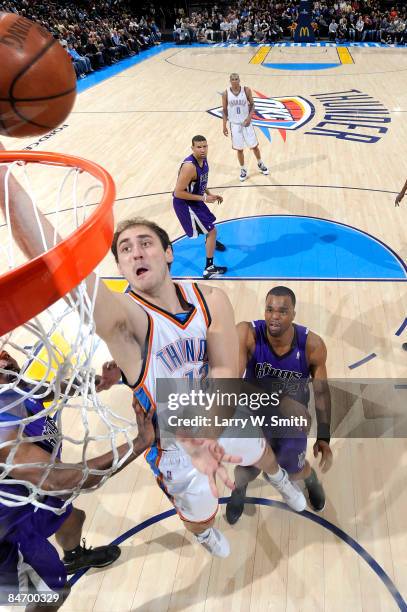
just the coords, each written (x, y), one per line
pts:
(267, 369)
(289, 373)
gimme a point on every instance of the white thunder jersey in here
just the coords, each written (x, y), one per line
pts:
(174, 349)
(238, 106)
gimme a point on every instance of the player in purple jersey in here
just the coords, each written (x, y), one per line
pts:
(28, 561)
(289, 355)
(191, 194)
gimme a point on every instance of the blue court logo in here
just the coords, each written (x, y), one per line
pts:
(349, 115)
(280, 113)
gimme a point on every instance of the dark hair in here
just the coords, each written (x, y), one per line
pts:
(282, 291)
(135, 221)
(198, 138)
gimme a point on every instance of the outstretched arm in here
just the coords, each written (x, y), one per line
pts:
(122, 331)
(61, 477)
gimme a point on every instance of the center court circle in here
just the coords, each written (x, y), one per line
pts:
(291, 247)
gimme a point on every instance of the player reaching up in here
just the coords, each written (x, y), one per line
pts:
(143, 330)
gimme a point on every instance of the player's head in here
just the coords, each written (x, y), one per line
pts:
(143, 253)
(7, 362)
(234, 79)
(280, 310)
(199, 147)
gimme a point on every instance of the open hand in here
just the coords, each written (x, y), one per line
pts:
(207, 456)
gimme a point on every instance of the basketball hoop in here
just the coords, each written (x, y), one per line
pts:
(53, 274)
(53, 340)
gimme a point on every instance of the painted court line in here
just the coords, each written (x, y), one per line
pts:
(344, 55)
(362, 361)
(402, 327)
(260, 55)
(315, 518)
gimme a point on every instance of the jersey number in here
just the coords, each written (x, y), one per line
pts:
(238, 110)
(201, 372)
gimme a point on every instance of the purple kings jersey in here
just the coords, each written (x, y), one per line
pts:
(14, 407)
(22, 408)
(198, 186)
(291, 370)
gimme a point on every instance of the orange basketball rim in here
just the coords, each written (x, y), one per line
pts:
(33, 286)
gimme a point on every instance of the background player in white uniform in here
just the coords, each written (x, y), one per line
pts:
(133, 327)
(238, 108)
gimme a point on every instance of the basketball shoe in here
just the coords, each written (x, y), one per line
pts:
(213, 271)
(290, 491)
(82, 557)
(214, 542)
(243, 174)
(219, 246)
(263, 168)
(235, 505)
(316, 493)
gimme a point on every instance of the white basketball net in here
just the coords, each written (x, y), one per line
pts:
(56, 355)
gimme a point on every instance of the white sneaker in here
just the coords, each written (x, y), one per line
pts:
(290, 492)
(263, 168)
(243, 174)
(215, 543)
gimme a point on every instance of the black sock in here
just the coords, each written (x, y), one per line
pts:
(69, 554)
(209, 262)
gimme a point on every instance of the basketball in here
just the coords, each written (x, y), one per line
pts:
(38, 82)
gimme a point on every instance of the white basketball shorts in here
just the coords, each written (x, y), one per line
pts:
(189, 488)
(243, 136)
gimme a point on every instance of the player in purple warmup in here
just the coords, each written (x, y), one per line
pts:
(29, 563)
(190, 197)
(289, 355)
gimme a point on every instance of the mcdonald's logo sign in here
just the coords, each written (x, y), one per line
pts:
(304, 32)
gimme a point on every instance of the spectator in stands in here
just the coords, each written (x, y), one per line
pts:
(121, 48)
(224, 28)
(81, 64)
(208, 30)
(233, 35)
(93, 53)
(360, 26)
(105, 31)
(246, 33)
(333, 28)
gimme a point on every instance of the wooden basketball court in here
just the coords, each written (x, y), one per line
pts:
(323, 223)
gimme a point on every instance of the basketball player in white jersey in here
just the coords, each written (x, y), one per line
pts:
(238, 109)
(163, 329)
